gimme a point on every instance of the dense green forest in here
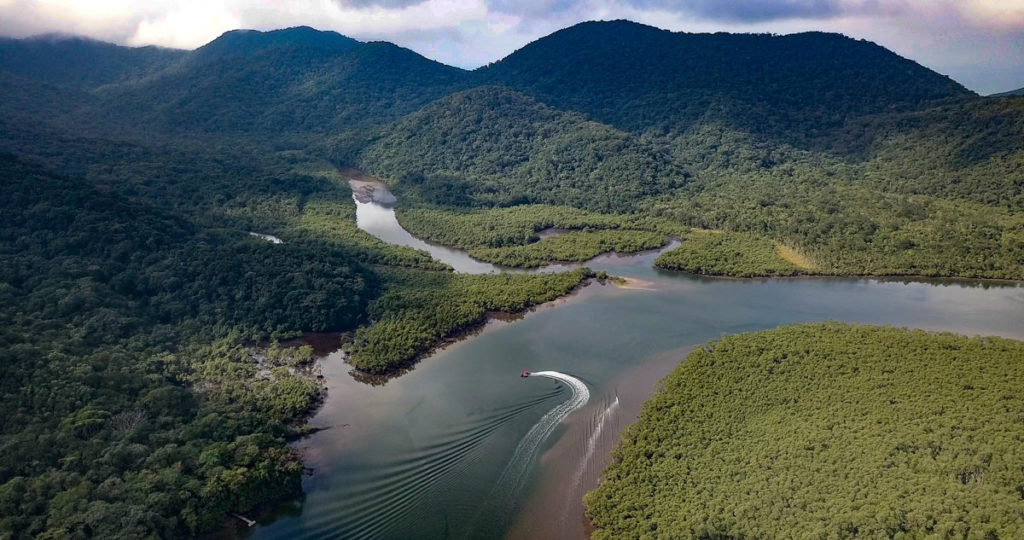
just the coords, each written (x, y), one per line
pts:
(113, 425)
(815, 431)
(572, 246)
(134, 298)
(492, 146)
(645, 79)
(728, 254)
(421, 309)
(128, 366)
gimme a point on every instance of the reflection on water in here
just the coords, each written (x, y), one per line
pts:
(419, 457)
(380, 221)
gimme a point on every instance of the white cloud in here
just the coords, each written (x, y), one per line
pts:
(190, 24)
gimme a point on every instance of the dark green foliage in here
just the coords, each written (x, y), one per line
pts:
(291, 81)
(101, 433)
(971, 151)
(572, 246)
(493, 146)
(825, 431)
(111, 444)
(846, 225)
(59, 231)
(242, 44)
(500, 227)
(420, 309)
(333, 222)
(641, 78)
(80, 62)
(727, 254)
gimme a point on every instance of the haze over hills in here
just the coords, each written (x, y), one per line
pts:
(857, 160)
(81, 63)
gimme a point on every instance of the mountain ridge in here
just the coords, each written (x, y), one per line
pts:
(1011, 93)
(639, 77)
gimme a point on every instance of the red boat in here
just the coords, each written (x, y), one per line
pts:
(524, 374)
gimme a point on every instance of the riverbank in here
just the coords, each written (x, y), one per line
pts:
(420, 309)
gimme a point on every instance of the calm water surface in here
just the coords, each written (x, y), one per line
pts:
(420, 456)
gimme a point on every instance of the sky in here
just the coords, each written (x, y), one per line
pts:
(980, 43)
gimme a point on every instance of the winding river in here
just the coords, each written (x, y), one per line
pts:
(463, 447)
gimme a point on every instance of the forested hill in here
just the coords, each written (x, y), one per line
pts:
(638, 77)
(295, 80)
(628, 75)
(239, 44)
(493, 146)
(79, 62)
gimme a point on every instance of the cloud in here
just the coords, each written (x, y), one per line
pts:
(979, 42)
(748, 10)
(387, 4)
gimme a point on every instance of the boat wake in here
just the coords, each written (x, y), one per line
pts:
(516, 472)
(595, 435)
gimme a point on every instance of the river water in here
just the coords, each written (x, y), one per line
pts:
(438, 452)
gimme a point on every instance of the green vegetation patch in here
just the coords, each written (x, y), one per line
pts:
(727, 254)
(826, 431)
(573, 246)
(420, 309)
(500, 227)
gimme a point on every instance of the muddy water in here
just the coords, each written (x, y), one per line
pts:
(426, 455)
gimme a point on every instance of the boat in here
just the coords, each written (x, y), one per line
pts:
(524, 374)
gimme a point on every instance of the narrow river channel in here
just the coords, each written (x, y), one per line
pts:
(427, 454)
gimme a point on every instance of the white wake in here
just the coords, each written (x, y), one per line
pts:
(503, 496)
(592, 441)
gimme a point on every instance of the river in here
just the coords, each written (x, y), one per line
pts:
(438, 452)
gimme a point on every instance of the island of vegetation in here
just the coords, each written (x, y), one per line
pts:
(826, 430)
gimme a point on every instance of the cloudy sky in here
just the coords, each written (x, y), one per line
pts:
(977, 42)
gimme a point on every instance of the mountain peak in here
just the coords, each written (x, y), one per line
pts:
(638, 77)
(247, 42)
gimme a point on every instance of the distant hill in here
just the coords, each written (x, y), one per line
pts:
(498, 146)
(295, 80)
(637, 77)
(245, 81)
(242, 43)
(624, 74)
(1017, 92)
(79, 62)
